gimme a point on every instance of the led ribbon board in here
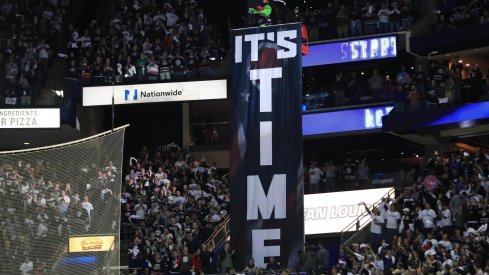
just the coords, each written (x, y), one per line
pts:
(344, 121)
(351, 51)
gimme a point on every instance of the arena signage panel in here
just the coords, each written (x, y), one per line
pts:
(344, 121)
(29, 118)
(332, 212)
(91, 244)
(266, 152)
(155, 92)
(351, 51)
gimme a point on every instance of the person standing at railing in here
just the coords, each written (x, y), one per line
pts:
(392, 223)
(226, 258)
(375, 226)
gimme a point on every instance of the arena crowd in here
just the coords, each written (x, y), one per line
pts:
(437, 224)
(144, 41)
(171, 204)
(41, 207)
(410, 88)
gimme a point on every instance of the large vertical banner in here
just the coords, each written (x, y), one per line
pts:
(267, 212)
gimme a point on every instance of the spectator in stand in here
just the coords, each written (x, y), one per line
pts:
(342, 22)
(356, 20)
(420, 80)
(192, 61)
(475, 79)
(413, 98)
(393, 219)
(339, 89)
(178, 66)
(185, 263)
(400, 99)
(427, 217)
(164, 63)
(24, 92)
(273, 265)
(402, 76)
(363, 173)
(375, 226)
(141, 67)
(349, 172)
(323, 258)
(383, 17)
(432, 95)
(456, 80)
(395, 17)
(315, 175)
(152, 69)
(26, 267)
(353, 89)
(330, 171)
(226, 259)
(251, 268)
(108, 72)
(376, 83)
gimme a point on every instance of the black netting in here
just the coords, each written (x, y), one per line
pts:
(48, 196)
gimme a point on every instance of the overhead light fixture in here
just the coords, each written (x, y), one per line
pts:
(59, 92)
(460, 61)
(27, 143)
(467, 65)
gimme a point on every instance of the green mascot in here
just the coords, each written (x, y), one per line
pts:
(263, 12)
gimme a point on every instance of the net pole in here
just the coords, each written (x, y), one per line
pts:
(113, 109)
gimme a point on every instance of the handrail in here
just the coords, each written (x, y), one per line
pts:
(361, 220)
(223, 227)
(52, 263)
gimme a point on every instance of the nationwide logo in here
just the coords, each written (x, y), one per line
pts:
(135, 95)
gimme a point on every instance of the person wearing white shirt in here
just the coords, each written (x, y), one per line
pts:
(140, 211)
(378, 264)
(429, 238)
(179, 199)
(171, 19)
(314, 176)
(198, 193)
(65, 197)
(42, 229)
(446, 219)
(375, 226)
(27, 267)
(427, 216)
(88, 206)
(446, 243)
(392, 222)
